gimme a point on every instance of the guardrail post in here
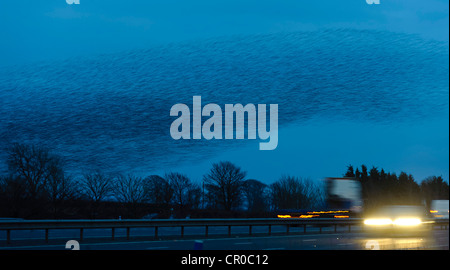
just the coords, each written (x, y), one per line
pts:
(206, 231)
(270, 229)
(250, 230)
(182, 231)
(128, 233)
(335, 228)
(349, 227)
(287, 229)
(156, 232)
(304, 228)
(8, 236)
(81, 234)
(112, 233)
(46, 235)
(229, 230)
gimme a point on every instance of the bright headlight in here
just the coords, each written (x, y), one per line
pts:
(407, 221)
(377, 221)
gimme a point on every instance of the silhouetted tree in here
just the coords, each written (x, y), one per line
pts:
(33, 165)
(224, 185)
(256, 194)
(381, 188)
(96, 187)
(12, 196)
(59, 189)
(158, 190)
(129, 190)
(194, 195)
(295, 193)
(409, 190)
(180, 185)
(349, 172)
(434, 188)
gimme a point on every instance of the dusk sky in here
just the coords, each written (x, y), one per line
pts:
(39, 31)
(42, 30)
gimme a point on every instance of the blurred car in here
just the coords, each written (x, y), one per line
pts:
(397, 220)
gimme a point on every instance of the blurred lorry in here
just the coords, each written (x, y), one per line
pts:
(344, 194)
(343, 200)
(439, 209)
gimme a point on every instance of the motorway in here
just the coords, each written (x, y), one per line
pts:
(100, 239)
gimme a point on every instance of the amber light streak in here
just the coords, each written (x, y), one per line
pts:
(328, 212)
(301, 216)
(313, 214)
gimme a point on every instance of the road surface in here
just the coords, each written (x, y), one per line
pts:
(436, 240)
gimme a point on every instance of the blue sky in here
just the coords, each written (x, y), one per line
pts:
(36, 30)
(45, 30)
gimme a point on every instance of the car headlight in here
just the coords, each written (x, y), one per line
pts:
(407, 221)
(396, 222)
(377, 221)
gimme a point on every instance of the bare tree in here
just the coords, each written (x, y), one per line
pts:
(129, 190)
(224, 184)
(96, 187)
(158, 190)
(180, 185)
(13, 195)
(194, 195)
(34, 165)
(186, 194)
(256, 195)
(286, 193)
(295, 193)
(59, 188)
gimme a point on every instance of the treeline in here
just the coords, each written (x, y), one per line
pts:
(381, 188)
(37, 186)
